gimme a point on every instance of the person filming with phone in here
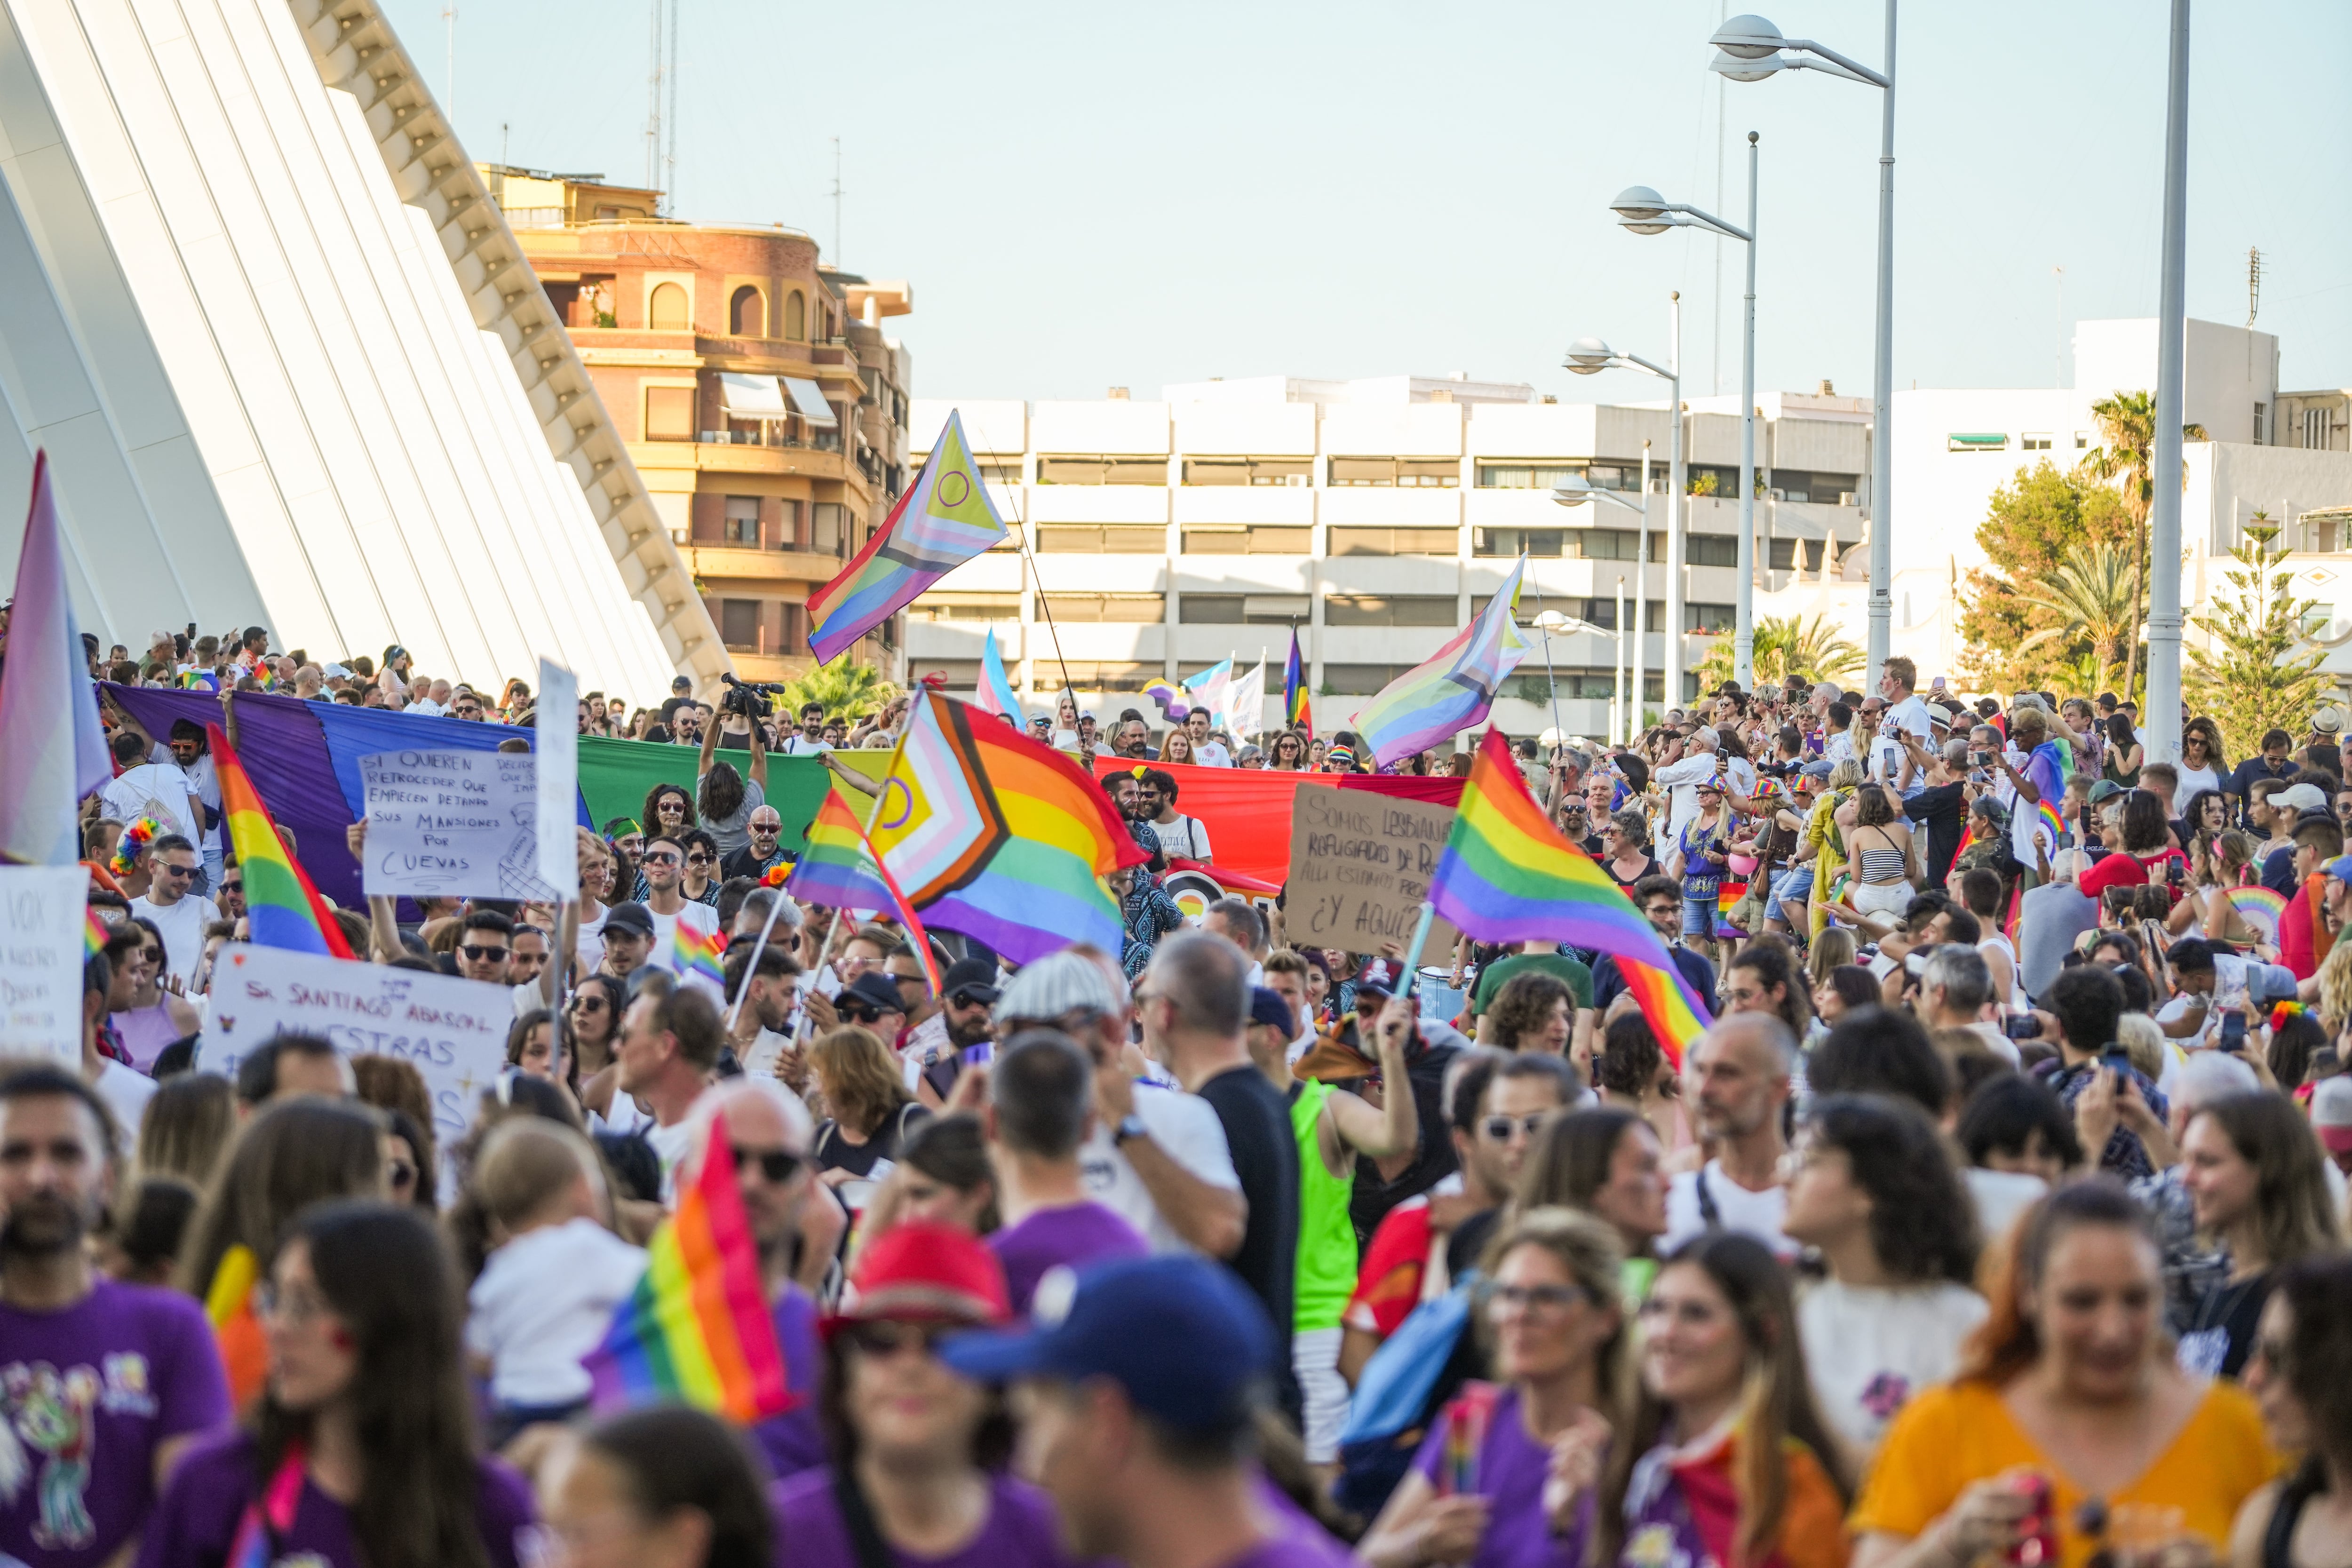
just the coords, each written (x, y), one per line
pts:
(2084, 1003)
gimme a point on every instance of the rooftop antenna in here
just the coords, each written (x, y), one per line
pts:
(669, 83)
(653, 103)
(2058, 348)
(2254, 285)
(836, 201)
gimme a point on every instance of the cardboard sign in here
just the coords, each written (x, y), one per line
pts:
(41, 923)
(453, 1031)
(454, 825)
(1360, 867)
(556, 754)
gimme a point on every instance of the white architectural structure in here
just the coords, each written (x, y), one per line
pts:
(1375, 515)
(289, 365)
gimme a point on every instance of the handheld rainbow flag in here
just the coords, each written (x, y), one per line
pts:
(281, 907)
(237, 1330)
(697, 1329)
(944, 520)
(840, 869)
(94, 932)
(986, 832)
(698, 955)
(994, 694)
(1508, 876)
(1295, 710)
(1433, 702)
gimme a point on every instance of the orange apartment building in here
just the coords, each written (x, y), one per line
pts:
(759, 399)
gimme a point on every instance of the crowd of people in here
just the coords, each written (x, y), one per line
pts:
(1999, 1214)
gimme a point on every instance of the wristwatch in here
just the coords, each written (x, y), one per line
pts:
(1129, 1126)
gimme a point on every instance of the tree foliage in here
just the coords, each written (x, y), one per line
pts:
(1785, 646)
(2125, 458)
(2253, 678)
(2031, 525)
(2089, 599)
(846, 689)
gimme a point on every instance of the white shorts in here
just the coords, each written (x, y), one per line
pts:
(1883, 897)
(1315, 1358)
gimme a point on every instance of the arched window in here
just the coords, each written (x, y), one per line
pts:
(747, 313)
(795, 315)
(668, 307)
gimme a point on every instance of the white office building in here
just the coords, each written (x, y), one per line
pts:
(1377, 516)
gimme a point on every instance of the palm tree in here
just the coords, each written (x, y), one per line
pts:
(2094, 596)
(2125, 458)
(846, 689)
(1786, 646)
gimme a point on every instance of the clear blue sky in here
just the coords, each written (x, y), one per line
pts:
(1088, 196)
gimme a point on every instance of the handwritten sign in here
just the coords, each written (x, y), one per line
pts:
(453, 1031)
(452, 824)
(556, 755)
(40, 962)
(1360, 867)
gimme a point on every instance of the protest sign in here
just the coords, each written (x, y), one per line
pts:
(556, 752)
(453, 1031)
(452, 824)
(41, 953)
(1360, 867)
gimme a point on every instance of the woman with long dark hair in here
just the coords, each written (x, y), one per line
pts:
(2258, 1180)
(2301, 1375)
(1876, 1194)
(916, 1449)
(1604, 1162)
(1725, 1458)
(361, 1449)
(2067, 1408)
(1288, 754)
(669, 809)
(666, 1486)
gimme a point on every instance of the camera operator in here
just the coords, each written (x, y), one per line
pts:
(723, 798)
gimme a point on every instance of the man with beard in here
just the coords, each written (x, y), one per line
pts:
(796, 1224)
(101, 1384)
(763, 1001)
(939, 1048)
(1136, 808)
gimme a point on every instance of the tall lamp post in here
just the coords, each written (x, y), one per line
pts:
(1751, 49)
(2162, 724)
(1576, 490)
(1643, 211)
(1591, 356)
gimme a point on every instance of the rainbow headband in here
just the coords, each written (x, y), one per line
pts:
(135, 840)
(2281, 1011)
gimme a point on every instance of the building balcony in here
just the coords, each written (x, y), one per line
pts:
(742, 564)
(747, 457)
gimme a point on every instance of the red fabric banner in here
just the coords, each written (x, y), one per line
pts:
(1247, 810)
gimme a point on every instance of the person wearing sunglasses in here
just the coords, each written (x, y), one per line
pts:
(700, 883)
(663, 878)
(762, 848)
(178, 912)
(872, 1002)
(908, 1469)
(231, 888)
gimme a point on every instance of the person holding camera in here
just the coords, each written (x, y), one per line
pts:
(724, 798)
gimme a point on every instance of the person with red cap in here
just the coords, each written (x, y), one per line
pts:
(907, 1485)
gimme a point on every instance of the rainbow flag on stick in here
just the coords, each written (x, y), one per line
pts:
(697, 1328)
(1508, 876)
(1431, 703)
(698, 953)
(281, 907)
(1295, 712)
(944, 520)
(839, 867)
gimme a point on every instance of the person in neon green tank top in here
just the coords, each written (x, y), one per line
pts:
(1332, 1126)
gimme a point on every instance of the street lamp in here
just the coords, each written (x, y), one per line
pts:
(1591, 356)
(1552, 621)
(1749, 48)
(1575, 491)
(1643, 211)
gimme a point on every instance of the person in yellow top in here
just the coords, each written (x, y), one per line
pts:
(1823, 844)
(2069, 1423)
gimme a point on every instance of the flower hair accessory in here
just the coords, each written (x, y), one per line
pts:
(2281, 1011)
(777, 875)
(133, 843)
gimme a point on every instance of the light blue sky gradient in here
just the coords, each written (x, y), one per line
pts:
(1088, 196)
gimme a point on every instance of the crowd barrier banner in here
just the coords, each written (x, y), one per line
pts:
(452, 824)
(1360, 869)
(41, 950)
(1247, 810)
(452, 1031)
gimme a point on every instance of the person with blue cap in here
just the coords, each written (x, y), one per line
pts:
(1138, 1388)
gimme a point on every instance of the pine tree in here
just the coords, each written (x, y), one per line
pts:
(2254, 679)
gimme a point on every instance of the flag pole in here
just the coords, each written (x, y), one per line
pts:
(864, 835)
(1413, 953)
(752, 970)
(1046, 605)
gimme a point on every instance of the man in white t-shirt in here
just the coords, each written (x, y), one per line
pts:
(670, 1041)
(1156, 1156)
(179, 915)
(156, 789)
(1954, 990)
(666, 902)
(810, 742)
(1737, 1083)
(1208, 754)
(1682, 777)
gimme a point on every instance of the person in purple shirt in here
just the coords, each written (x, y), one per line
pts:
(102, 1385)
(1041, 1092)
(908, 1485)
(794, 1222)
(665, 1485)
(364, 1433)
(1505, 1479)
(1139, 1388)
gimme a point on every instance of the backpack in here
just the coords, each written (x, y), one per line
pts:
(1404, 1384)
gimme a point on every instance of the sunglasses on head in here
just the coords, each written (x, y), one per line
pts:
(477, 952)
(776, 1164)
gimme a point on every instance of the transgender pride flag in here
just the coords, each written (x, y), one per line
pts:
(52, 747)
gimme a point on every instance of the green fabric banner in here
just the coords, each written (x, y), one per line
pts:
(615, 776)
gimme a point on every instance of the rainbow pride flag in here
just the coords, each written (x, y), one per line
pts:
(1431, 703)
(987, 832)
(94, 932)
(281, 907)
(1295, 712)
(835, 869)
(698, 953)
(697, 1329)
(944, 520)
(1508, 876)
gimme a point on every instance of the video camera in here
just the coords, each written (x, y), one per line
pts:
(752, 698)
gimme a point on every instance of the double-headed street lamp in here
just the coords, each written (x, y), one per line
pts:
(1749, 49)
(1575, 491)
(1643, 211)
(1591, 356)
